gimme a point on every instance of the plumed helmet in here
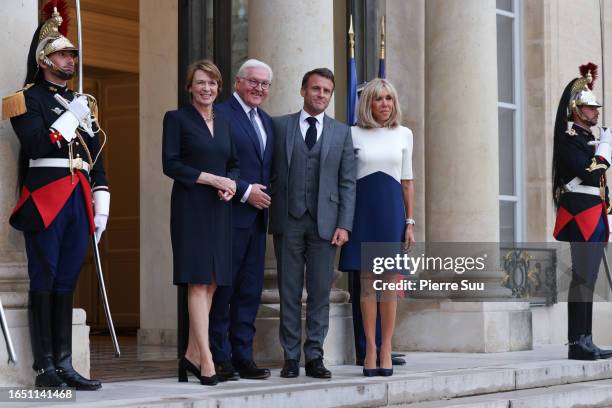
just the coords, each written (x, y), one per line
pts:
(52, 33)
(582, 90)
(49, 37)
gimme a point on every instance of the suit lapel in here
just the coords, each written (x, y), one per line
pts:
(293, 130)
(269, 133)
(326, 136)
(247, 126)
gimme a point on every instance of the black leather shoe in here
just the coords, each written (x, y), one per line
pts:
(291, 369)
(226, 371)
(316, 369)
(62, 345)
(603, 354)
(581, 350)
(249, 370)
(397, 361)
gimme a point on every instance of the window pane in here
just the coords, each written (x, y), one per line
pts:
(506, 151)
(240, 28)
(505, 61)
(506, 221)
(504, 5)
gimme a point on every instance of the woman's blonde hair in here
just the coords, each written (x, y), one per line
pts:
(373, 89)
(206, 66)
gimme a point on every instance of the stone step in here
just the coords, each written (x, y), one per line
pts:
(450, 380)
(585, 394)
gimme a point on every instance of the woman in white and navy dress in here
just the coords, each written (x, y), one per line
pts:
(383, 210)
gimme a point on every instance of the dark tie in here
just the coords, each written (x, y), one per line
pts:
(311, 133)
(262, 147)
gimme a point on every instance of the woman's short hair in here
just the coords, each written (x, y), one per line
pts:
(208, 67)
(373, 89)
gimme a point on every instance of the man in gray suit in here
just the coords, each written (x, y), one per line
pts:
(313, 201)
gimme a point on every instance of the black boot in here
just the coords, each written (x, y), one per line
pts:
(39, 319)
(603, 353)
(581, 350)
(62, 344)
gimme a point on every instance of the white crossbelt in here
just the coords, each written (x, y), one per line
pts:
(64, 163)
(575, 186)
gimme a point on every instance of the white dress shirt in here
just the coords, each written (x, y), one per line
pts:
(304, 125)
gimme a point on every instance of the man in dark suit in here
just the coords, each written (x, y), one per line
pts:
(234, 308)
(313, 201)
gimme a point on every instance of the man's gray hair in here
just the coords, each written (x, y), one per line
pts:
(254, 63)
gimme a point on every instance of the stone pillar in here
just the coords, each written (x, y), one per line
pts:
(20, 19)
(406, 70)
(294, 37)
(462, 180)
(158, 57)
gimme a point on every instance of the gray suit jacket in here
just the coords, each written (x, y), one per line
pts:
(336, 201)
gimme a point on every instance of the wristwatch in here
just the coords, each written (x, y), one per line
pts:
(410, 221)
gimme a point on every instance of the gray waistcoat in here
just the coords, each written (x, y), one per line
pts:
(304, 178)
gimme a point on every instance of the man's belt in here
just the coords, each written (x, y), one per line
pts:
(77, 163)
(575, 186)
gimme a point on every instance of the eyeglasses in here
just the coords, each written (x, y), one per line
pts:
(254, 83)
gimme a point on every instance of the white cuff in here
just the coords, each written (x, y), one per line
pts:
(245, 197)
(66, 125)
(603, 150)
(101, 202)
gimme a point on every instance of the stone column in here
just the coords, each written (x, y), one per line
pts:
(294, 37)
(19, 20)
(462, 179)
(158, 56)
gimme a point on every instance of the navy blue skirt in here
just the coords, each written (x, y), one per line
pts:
(379, 217)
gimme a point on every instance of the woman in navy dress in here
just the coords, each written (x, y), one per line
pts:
(199, 155)
(383, 210)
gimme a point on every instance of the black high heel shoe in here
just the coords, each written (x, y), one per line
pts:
(370, 372)
(186, 365)
(212, 380)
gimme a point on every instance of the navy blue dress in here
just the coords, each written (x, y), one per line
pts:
(384, 158)
(200, 223)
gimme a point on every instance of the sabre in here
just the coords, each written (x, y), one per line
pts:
(96, 251)
(607, 268)
(12, 356)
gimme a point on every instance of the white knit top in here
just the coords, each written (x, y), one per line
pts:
(388, 150)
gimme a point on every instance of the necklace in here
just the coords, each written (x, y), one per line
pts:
(210, 118)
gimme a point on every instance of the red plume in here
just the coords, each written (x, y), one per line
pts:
(584, 69)
(62, 9)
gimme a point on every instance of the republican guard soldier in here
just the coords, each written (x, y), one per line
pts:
(60, 154)
(580, 162)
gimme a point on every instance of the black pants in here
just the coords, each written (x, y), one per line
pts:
(586, 259)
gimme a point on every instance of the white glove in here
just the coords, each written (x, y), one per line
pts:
(77, 111)
(100, 223)
(79, 108)
(603, 150)
(101, 200)
(605, 136)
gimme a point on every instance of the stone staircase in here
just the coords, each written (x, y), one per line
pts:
(531, 379)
